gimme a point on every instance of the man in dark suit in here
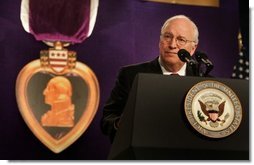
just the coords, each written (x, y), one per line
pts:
(178, 32)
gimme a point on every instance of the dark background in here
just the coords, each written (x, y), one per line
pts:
(125, 32)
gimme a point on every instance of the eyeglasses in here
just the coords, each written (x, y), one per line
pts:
(180, 41)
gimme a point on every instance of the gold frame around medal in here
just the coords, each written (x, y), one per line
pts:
(79, 128)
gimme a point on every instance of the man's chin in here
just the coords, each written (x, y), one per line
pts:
(172, 59)
(47, 102)
(172, 54)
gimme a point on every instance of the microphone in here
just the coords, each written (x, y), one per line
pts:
(185, 56)
(202, 58)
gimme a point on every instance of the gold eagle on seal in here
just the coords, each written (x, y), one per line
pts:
(213, 110)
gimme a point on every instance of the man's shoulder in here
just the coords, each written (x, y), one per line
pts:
(148, 66)
(136, 65)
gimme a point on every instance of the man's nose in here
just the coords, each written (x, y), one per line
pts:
(45, 91)
(172, 43)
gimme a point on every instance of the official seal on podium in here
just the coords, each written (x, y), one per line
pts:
(213, 109)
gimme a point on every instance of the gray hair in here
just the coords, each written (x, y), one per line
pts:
(195, 28)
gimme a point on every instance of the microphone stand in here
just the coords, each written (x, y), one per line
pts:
(208, 69)
(195, 68)
(204, 64)
(200, 69)
(203, 69)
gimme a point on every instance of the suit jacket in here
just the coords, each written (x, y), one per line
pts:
(115, 104)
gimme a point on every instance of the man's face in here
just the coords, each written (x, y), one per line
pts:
(58, 89)
(51, 94)
(178, 34)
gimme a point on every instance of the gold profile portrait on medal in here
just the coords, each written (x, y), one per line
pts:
(58, 95)
(213, 109)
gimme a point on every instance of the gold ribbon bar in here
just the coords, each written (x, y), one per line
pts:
(208, 3)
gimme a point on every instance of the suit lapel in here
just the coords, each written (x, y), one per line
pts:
(155, 66)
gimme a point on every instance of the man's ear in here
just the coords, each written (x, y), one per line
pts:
(193, 49)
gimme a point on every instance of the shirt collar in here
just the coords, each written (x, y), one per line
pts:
(181, 72)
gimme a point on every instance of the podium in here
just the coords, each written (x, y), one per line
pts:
(154, 125)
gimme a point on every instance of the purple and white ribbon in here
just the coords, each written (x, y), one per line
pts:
(59, 20)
